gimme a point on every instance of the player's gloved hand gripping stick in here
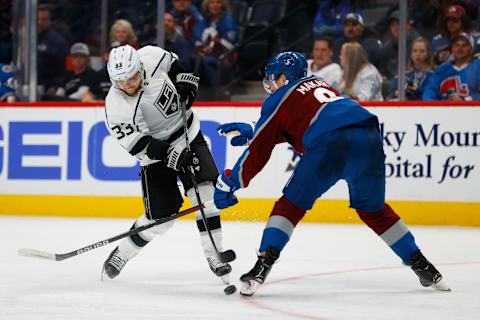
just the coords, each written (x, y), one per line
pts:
(225, 256)
(224, 196)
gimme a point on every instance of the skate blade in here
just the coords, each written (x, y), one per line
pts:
(104, 276)
(226, 279)
(249, 288)
(441, 286)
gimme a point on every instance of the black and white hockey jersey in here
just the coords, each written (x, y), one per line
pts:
(154, 111)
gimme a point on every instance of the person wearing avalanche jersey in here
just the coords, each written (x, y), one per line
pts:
(339, 139)
(457, 80)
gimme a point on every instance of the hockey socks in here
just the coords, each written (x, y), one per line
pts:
(220, 269)
(283, 219)
(388, 225)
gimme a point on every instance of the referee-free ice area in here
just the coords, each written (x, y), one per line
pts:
(327, 271)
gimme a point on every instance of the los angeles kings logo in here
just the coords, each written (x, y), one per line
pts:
(167, 101)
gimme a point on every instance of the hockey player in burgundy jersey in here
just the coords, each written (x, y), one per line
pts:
(339, 139)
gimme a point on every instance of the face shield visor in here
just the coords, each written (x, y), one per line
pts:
(270, 84)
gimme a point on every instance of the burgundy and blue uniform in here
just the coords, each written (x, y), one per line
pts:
(447, 78)
(339, 139)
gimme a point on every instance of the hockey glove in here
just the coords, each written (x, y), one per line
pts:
(224, 189)
(157, 149)
(187, 87)
(180, 159)
(243, 132)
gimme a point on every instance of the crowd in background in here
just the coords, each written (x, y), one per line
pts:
(357, 57)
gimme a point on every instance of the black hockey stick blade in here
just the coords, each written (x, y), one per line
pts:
(34, 253)
(227, 256)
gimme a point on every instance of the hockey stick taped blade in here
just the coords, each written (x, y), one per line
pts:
(227, 256)
(36, 254)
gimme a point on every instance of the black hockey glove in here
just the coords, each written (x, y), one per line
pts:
(180, 159)
(157, 149)
(187, 87)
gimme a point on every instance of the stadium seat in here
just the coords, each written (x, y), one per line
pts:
(264, 12)
(372, 15)
(239, 10)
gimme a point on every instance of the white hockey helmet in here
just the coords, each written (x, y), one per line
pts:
(123, 63)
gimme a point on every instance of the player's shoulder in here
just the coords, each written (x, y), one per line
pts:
(287, 92)
(119, 108)
(154, 58)
(150, 50)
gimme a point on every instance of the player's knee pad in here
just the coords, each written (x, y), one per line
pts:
(151, 233)
(283, 207)
(206, 190)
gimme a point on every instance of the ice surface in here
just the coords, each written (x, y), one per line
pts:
(326, 272)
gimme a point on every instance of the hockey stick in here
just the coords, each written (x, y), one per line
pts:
(225, 256)
(62, 256)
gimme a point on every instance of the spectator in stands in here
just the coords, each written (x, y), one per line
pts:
(355, 31)
(52, 51)
(218, 37)
(360, 80)
(81, 83)
(7, 88)
(389, 54)
(175, 42)
(121, 33)
(438, 7)
(420, 14)
(457, 80)
(419, 69)
(322, 65)
(330, 15)
(454, 22)
(103, 84)
(189, 20)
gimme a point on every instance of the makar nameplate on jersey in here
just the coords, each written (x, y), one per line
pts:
(167, 101)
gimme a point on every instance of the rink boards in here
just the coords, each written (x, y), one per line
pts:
(58, 159)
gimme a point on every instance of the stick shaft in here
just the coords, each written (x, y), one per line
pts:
(96, 245)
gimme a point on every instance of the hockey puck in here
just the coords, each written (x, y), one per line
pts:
(231, 289)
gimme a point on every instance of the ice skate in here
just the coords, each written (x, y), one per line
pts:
(114, 264)
(220, 269)
(427, 273)
(257, 276)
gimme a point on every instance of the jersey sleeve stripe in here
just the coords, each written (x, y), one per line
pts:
(136, 106)
(141, 144)
(158, 65)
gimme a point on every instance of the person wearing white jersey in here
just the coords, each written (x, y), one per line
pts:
(143, 111)
(322, 65)
(360, 80)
